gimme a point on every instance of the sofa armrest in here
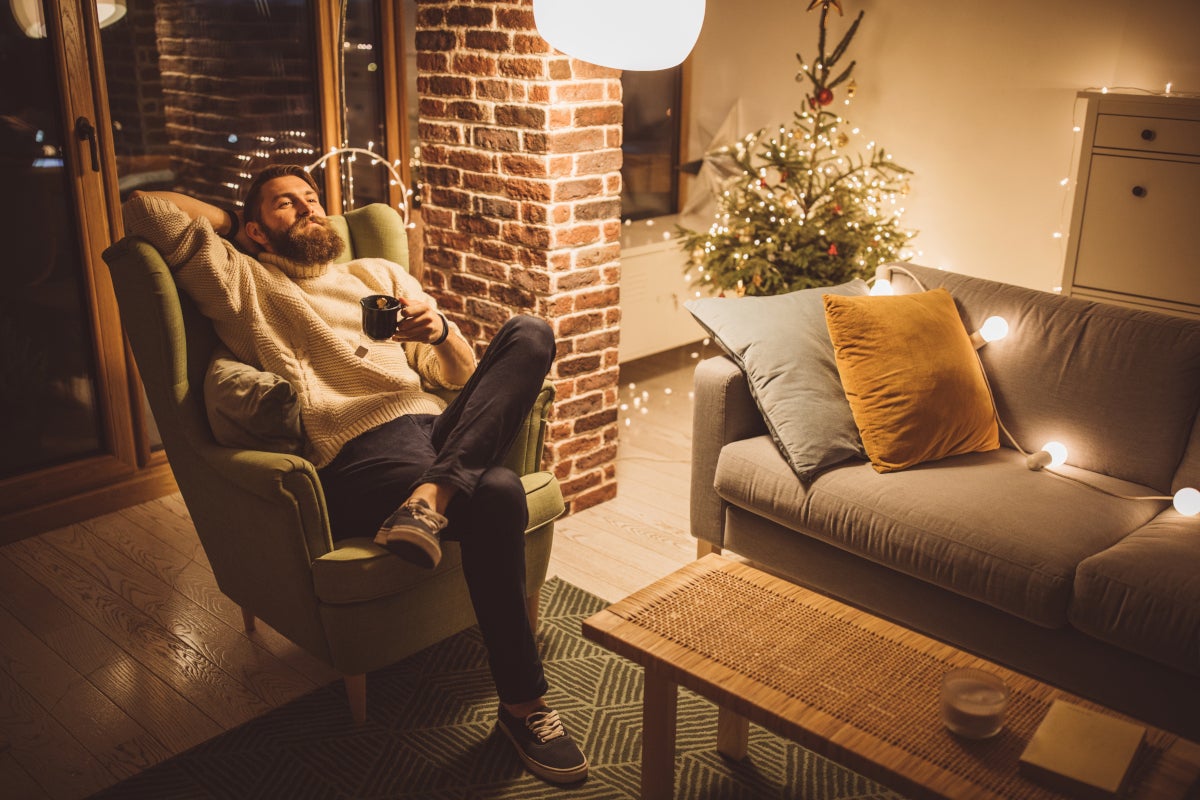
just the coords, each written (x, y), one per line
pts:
(724, 412)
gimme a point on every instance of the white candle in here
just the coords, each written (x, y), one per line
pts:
(973, 703)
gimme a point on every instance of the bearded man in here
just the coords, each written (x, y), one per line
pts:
(396, 463)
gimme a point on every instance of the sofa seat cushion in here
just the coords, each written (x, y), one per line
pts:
(1143, 594)
(358, 570)
(981, 525)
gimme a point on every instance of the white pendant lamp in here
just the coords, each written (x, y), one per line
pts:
(28, 14)
(621, 34)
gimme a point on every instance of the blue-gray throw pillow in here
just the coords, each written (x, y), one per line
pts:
(782, 344)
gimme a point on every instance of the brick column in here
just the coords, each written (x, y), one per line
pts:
(521, 204)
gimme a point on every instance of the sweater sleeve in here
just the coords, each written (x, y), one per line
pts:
(423, 357)
(209, 268)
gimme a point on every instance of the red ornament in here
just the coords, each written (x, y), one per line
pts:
(825, 97)
(837, 208)
(833, 249)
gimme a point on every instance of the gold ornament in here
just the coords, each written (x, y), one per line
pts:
(842, 140)
(851, 89)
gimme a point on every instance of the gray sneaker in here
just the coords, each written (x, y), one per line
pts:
(412, 532)
(544, 745)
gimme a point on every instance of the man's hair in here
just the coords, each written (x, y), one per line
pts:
(252, 209)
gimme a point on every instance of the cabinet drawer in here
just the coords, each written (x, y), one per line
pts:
(1140, 216)
(1149, 134)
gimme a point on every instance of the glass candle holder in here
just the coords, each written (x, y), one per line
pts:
(973, 702)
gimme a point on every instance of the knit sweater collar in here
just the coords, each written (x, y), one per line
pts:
(292, 269)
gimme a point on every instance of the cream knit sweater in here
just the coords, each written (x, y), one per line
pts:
(302, 323)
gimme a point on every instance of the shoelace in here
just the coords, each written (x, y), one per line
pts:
(545, 725)
(426, 515)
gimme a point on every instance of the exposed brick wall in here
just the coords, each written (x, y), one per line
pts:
(521, 153)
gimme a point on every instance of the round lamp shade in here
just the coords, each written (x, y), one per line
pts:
(28, 14)
(621, 34)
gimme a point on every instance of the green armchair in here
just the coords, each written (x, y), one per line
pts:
(261, 516)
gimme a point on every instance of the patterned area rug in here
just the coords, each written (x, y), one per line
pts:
(429, 735)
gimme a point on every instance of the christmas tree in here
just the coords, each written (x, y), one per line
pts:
(804, 210)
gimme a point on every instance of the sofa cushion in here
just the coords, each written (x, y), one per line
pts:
(782, 345)
(1119, 387)
(910, 373)
(981, 525)
(1143, 593)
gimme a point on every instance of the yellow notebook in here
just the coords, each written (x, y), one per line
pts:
(1082, 752)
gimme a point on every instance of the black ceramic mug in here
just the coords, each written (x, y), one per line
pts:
(379, 315)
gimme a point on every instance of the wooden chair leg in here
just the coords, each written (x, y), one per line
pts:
(531, 605)
(248, 621)
(356, 693)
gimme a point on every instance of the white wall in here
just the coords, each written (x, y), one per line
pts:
(977, 98)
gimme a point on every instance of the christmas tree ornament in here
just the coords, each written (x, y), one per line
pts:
(851, 88)
(824, 96)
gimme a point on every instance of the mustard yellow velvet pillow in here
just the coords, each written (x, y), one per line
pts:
(915, 387)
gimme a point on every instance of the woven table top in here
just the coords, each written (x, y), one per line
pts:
(844, 683)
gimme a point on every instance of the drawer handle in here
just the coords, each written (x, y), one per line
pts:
(1139, 191)
(1149, 135)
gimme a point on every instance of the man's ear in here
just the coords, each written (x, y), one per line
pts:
(257, 234)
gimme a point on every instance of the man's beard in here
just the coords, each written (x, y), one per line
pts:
(307, 245)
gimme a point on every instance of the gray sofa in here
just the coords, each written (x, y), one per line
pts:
(1092, 593)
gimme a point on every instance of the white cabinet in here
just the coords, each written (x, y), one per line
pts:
(1136, 216)
(653, 291)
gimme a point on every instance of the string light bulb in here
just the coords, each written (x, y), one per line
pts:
(993, 329)
(1187, 502)
(1052, 454)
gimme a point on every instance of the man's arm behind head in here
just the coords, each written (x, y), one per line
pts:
(223, 221)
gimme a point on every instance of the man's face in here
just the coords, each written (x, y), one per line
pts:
(294, 224)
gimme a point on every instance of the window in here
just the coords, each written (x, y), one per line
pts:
(651, 143)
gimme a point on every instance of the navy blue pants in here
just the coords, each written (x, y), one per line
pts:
(375, 472)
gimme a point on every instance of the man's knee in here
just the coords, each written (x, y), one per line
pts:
(500, 496)
(533, 333)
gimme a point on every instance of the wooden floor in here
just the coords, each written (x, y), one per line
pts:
(118, 651)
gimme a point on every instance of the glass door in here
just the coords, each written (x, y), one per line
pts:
(98, 99)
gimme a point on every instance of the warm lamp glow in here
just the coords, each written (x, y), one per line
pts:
(1058, 453)
(1187, 502)
(1052, 454)
(994, 328)
(881, 287)
(621, 34)
(28, 14)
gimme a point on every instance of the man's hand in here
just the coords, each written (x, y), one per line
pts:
(418, 322)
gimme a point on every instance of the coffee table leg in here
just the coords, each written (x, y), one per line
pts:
(658, 737)
(733, 732)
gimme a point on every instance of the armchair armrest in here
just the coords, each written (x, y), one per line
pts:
(724, 412)
(277, 478)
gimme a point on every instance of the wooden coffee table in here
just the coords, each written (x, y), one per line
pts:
(843, 683)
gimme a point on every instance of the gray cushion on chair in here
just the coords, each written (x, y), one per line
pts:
(250, 409)
(782, 345)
